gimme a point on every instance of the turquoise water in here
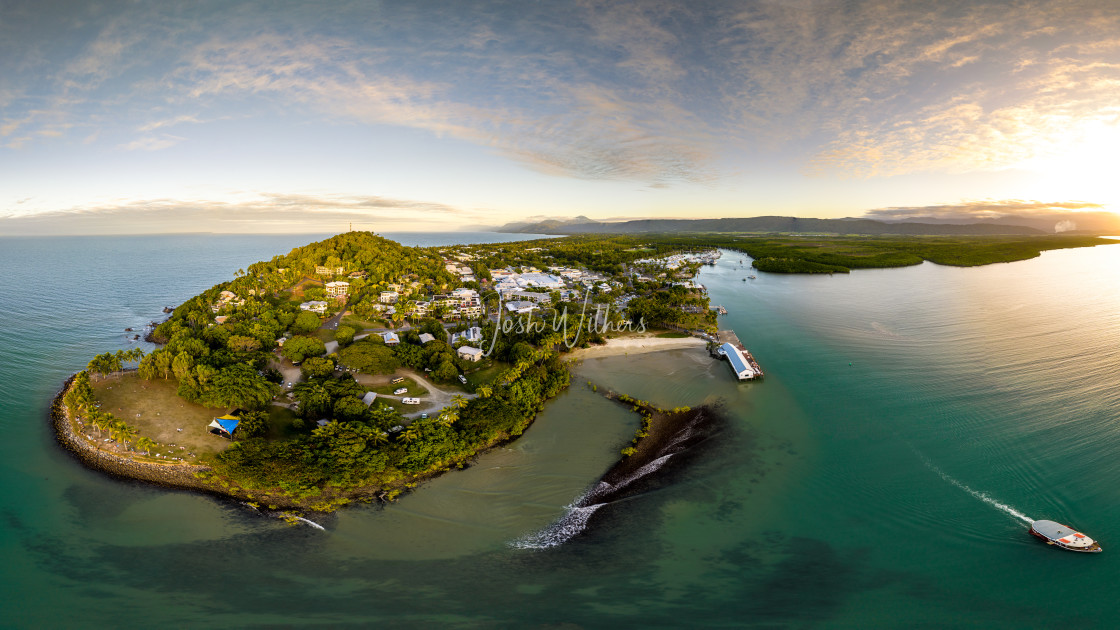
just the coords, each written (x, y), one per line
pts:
(860, 485)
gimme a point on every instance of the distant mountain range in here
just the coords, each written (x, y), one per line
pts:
(584, 225)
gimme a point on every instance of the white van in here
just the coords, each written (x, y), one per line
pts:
(410, 401)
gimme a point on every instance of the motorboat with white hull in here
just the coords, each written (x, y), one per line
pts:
(1064, 536)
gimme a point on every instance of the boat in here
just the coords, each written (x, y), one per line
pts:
(1064, 536)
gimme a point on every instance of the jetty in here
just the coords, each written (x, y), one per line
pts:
(743, 364)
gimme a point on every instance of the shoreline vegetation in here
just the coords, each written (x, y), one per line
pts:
(72, 435)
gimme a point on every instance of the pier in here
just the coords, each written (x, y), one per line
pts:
(727, 346)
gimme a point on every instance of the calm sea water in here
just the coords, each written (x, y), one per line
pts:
(873, 479)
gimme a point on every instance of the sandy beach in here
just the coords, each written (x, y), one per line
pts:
(638, 345)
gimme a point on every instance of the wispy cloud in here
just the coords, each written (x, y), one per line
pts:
(1059, 216)
(153, 143)
(977, 210)
(267, 212)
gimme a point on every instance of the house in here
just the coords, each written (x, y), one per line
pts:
(390, 338)
(224, 425)
(420, 309)
(221, 319)
(389, 297)
(315, 306)
(337, 289)
(357, 274)
(470, 335)
(368, 399)
(321, 270)
(425, 338)
(470, 354)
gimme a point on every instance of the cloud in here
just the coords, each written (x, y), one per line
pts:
(978, 210)
(266, 212)
(153, 143)
(1059, 216)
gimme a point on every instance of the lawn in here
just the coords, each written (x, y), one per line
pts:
(414, 388)
(362, 324)
(672, 335)
(486, 374)
(159, 414)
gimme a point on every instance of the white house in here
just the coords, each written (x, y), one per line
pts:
(390, 338)
(470, 335)
(470, 354)
(426, 337)
(389, 297)
(315, 306)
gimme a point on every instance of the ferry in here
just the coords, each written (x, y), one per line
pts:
(1064, 536)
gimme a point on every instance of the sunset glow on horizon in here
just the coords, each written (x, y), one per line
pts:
(123, 117)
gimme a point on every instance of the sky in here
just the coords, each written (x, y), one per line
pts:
(150, 117)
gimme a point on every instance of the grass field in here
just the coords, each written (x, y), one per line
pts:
(159, 414)
(362, 324)
(414, 388)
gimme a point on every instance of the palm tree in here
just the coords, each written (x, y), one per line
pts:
(458, 401)
(485, 391)
(410, 434)
(145, 444)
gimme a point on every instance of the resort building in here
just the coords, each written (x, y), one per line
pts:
(321, 270)
(521, 307)
(527, 296)
(337, 289)
(389, 297)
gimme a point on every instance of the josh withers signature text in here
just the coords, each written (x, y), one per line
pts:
(528, 323)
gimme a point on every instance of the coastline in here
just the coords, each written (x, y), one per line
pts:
(637, 345)
(182, 476)
(170, 475)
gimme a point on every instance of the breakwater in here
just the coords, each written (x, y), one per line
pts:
(672, 438)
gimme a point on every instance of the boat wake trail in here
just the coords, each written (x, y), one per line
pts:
(983, 496)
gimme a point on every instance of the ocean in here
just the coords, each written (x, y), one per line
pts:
(910, 420)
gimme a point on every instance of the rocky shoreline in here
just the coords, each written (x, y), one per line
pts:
(168, 475)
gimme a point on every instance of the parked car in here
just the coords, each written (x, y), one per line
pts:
(462, 379)
(398, 392)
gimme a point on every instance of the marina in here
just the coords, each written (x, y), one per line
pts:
(743, 364)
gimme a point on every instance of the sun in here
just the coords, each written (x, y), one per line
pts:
(1079, 164)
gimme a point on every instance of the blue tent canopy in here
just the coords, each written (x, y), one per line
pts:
(226, 424)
